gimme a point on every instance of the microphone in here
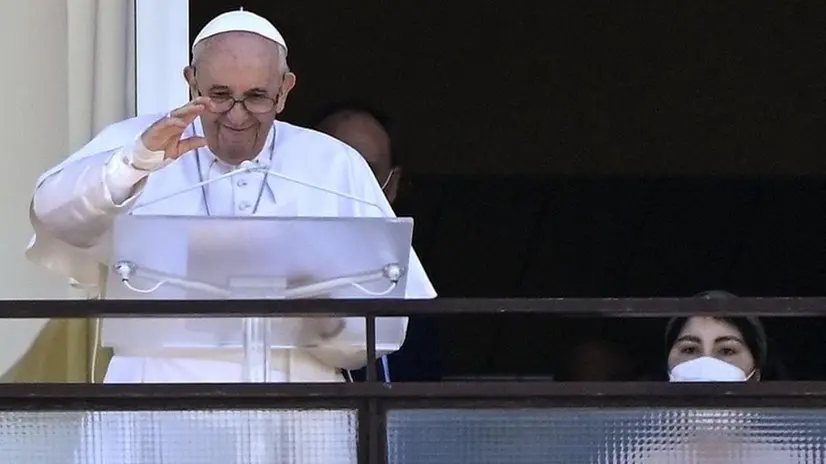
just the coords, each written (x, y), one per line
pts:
(250, 166)
(234, 172)
(126, 270)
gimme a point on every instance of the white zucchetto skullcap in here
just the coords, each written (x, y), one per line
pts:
(240, 21)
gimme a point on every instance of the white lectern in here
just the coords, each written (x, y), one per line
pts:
(200, 258)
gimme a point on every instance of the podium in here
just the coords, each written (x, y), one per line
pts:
(236, 258)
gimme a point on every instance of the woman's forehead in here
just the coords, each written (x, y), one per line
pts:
(709, 327)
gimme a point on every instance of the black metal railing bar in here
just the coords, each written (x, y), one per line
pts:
(621, 307)
(139, 397)
(373, 398)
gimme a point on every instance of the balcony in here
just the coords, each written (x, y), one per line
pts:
(454, 422)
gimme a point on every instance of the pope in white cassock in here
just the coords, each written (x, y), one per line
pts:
(239, 83)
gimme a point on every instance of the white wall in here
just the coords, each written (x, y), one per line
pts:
(33, 136)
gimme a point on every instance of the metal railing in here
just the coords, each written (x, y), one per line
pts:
(374, 400)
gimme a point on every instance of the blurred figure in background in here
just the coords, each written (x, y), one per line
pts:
(594, 358)
(371, 133)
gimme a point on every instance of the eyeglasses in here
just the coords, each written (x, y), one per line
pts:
(254, 104)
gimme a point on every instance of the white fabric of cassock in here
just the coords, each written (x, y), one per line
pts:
(73, 214)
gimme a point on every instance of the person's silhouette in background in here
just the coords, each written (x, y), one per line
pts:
(594, 359)
(371, 133)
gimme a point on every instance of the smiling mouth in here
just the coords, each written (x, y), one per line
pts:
(234, 129)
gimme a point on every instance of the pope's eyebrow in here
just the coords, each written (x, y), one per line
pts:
(256, 91)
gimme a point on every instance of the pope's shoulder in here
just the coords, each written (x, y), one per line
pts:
(317, 144)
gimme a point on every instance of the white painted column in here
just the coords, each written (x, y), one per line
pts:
(162, 47)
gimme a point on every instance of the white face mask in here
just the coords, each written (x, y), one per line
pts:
(707, 369)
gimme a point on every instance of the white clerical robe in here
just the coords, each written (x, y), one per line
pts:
(73, 213)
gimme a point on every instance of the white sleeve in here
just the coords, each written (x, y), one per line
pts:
(128, 167)
(79, 203)
(120, 178)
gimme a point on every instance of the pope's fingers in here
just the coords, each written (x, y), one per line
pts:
(188, 118)
(167, 128)
(177, 122)
(187, 112)
(163, 132)
(201, 101)
(186, 145)
(195, 106)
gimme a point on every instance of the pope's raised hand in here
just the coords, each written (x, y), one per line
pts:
(165, 134)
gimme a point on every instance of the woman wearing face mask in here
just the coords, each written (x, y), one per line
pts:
(715, 349)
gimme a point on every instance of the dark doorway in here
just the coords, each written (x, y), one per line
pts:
(577, 150)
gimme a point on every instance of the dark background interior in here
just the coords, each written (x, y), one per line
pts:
(587, 150)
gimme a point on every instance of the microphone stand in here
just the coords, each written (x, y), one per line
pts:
(257, 329)
(126, 270)
(249, 166)
(188, 189)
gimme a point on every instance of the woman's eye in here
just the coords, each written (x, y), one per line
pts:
(688, 350)
(728, 351)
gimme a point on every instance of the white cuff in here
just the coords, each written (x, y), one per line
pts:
(129, 166)
(139, 157)
(120, 178)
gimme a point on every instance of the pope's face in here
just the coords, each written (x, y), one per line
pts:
(242, 75)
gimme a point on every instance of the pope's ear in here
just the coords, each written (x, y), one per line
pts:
(189, 75)
(287, 84)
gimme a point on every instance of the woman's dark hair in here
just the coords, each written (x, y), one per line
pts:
(750, 327)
